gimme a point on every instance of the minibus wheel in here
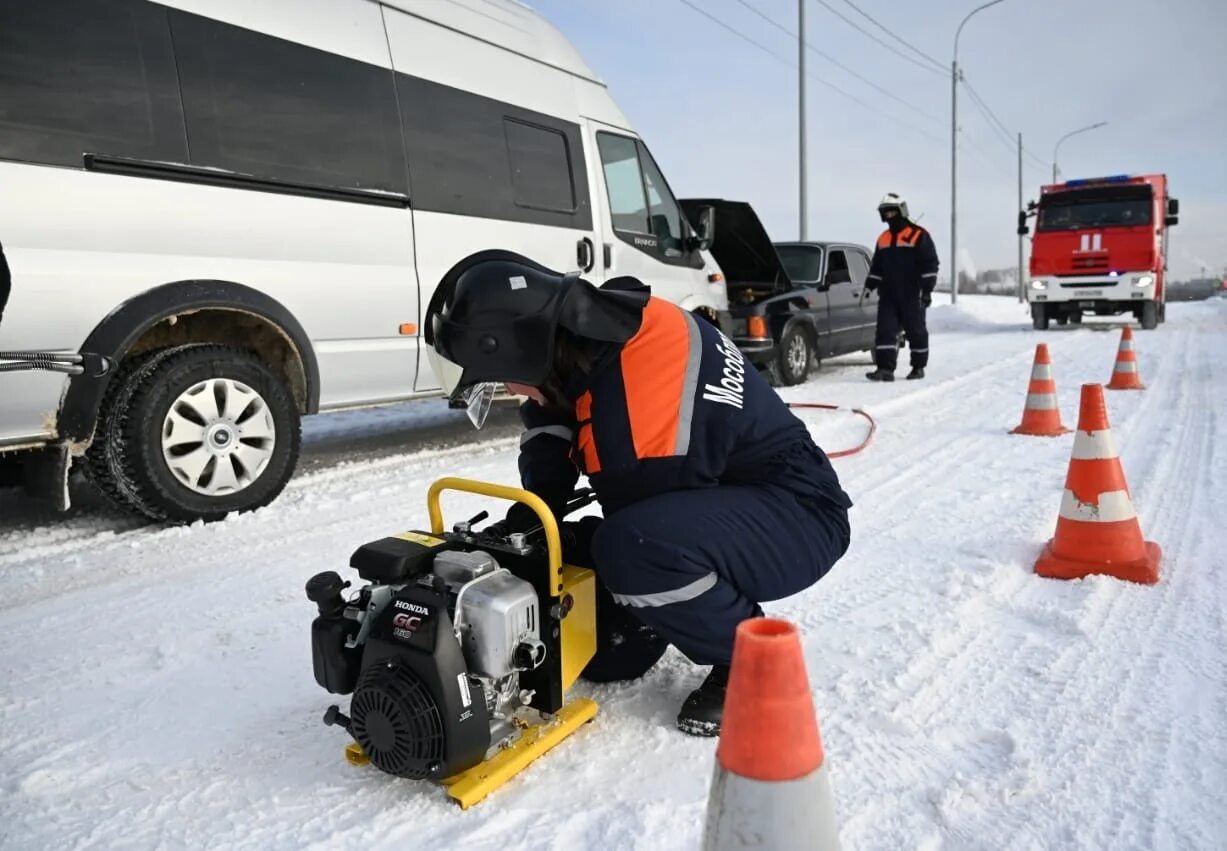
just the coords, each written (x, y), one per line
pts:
(196, 432)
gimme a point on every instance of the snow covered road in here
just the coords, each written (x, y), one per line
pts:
(156, 688)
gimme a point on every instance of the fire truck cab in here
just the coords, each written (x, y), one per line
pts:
(1100, 248)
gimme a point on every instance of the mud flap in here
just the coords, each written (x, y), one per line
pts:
(46, 474)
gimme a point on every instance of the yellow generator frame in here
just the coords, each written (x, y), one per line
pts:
(572, 592)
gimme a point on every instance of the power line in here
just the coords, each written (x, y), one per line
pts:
(928, 67)
(815, 78)
(999, 133)
(839, 64)
(992, 116)
(1039, 161)
(910, 47)
(736, 32)
(988, 113)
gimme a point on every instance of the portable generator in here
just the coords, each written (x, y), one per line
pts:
(460, 650)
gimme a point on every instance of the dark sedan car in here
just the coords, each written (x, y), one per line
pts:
(792, 303)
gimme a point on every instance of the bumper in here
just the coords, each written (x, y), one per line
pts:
(1119, 292)
(757, 351)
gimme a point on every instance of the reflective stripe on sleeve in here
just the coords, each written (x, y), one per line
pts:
(554, 430)
(690, 385)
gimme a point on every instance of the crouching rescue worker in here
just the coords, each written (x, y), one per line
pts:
(715, 496)
(904, 272)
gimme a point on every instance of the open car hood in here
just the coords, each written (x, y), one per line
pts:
(742, 247)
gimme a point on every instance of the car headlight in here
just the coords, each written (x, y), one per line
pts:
(1039, 284)
(1143, 281)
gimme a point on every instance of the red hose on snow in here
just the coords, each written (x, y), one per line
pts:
(842, 453)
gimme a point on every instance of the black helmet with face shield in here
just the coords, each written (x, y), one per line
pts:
(494, 318)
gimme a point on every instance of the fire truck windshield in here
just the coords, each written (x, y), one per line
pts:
(1097, 207)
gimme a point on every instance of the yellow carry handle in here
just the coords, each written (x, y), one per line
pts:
(553, 543)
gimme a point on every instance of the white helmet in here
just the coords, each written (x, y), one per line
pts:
(892, 199)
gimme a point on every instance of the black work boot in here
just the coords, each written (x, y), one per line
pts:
(702, 711)
(917, 372)
(880, 374)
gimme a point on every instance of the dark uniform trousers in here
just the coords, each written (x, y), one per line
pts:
(901, 312)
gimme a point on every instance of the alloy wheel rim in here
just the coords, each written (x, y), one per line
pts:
(798, 355)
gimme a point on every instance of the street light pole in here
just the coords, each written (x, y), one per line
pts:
(801, 112)
(954, 154)
(1057, 146)
(1020, 206)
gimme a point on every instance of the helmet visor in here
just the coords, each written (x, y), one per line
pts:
(477, 400)
(448, 373)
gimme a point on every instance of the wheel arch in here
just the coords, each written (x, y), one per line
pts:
(193, 311)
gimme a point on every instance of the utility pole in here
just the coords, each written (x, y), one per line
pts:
(801, 116)
(954, 180)
(1020, 206)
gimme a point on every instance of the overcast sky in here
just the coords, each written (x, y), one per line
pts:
(720, 115)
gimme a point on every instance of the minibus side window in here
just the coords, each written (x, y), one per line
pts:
(87, 76)
(624, 181)
(268, 107)
(540, 167)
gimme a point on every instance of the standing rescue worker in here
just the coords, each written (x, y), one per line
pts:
(715, 496)
(904, 271)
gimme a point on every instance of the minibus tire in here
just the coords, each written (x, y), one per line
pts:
(174, 378)
(99, 457)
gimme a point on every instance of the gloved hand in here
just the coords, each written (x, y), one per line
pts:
(577, 540)
(926, 299)
(519, 518)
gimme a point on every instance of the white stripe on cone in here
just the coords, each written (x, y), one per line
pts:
(745, 814)
(1113, 507)
(1042, 401)
(1126, 345)
(1041, 372)
(1094, 445)
(1126, 366)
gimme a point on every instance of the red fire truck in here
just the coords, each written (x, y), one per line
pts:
(1100, 247)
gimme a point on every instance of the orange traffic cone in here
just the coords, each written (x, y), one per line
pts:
(770, 787)
(1125, 374)
(1097, 529)
(1041, 416)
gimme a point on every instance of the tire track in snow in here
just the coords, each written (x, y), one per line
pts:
(1113, 626)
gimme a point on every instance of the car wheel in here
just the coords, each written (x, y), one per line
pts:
(1150, 316)
(204, 430)
(794, 356)
(1075, 318)
(1039, 317)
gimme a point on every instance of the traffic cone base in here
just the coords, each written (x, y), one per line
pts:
(1041, 416)
(1144, 570)
(770, 814)
(1097, 529)
(769, 786)
(1125, 375)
